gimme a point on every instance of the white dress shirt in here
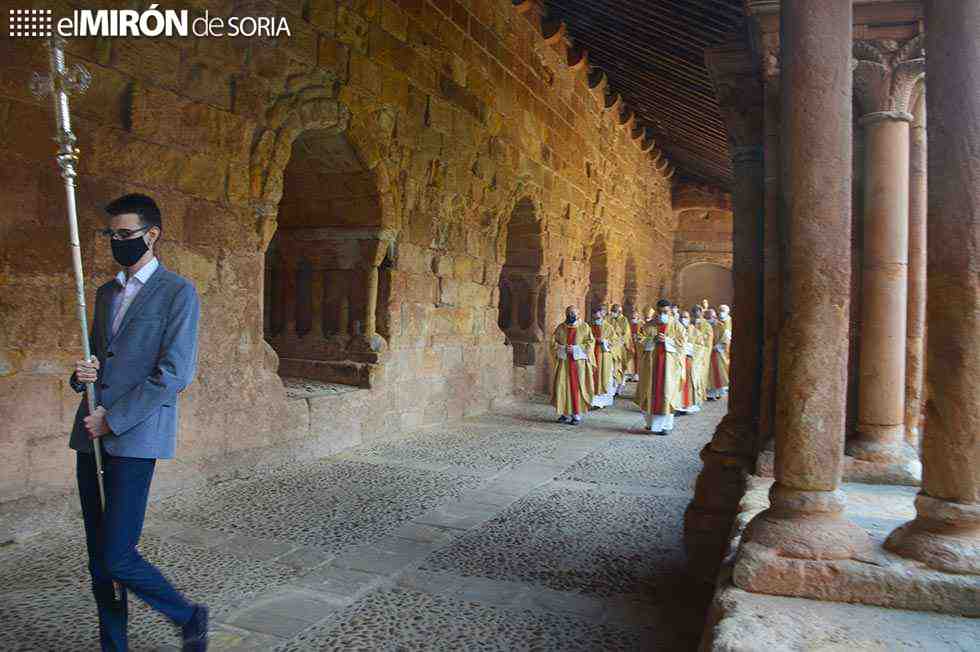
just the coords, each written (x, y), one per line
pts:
(123, 298)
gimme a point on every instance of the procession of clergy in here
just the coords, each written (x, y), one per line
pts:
(678, 358)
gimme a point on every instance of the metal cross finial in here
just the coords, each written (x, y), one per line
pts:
(74, 81)
(59, 84)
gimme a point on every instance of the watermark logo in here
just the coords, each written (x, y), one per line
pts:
(30, 22)
(149, 22)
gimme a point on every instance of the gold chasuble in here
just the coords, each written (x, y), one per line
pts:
(574, 381)
(718, 373)
(661, 368)
(605, 357)
(703, 341)
(622, 348)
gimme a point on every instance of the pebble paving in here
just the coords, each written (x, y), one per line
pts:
(503, 532)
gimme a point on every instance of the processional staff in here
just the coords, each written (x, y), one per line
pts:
(59, 84)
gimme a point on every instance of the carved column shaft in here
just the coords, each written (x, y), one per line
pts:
(805, 519)
(884, 77)
(946, 531)
(918, 204)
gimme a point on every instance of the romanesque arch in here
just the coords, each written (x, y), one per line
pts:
(324, 212)
(598, 293)
(705, 279)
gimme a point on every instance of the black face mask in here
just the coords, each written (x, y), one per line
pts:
(127, 252)
(570, 319)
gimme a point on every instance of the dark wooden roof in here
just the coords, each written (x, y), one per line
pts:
(652, 52)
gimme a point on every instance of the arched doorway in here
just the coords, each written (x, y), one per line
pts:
(598, 294)
(523, 285)
(323, 316)
(705, 281)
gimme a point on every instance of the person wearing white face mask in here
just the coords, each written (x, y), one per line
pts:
(688, 335)
(718, 372)
(572, 347)
(633, 357)
(703, 341)
(657, 391)
(604, 334)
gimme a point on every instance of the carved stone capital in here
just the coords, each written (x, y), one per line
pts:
(886, 73)
(739, 90)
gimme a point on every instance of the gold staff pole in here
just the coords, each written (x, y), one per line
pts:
(60, 83)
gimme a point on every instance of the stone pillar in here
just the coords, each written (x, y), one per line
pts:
(883, 81)
(317, 291)
(515, 306)
(915, 351)
(771, 259)
(805, 519)
(534, 330)
(289, 296)
(372, 254)
(946, 531)
(720, 485)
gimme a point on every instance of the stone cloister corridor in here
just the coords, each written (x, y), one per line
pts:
(354, 293)
(503, 532)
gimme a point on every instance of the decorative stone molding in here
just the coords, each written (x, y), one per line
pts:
(885, 75)
(739, 92)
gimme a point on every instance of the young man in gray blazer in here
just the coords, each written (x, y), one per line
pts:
(144, 345)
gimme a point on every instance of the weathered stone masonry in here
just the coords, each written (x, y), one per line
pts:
(391, 143)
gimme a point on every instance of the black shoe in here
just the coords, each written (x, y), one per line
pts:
(563, 419)
(195, 632)
(573, 422)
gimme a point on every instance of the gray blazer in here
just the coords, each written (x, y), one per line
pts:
(151, 358)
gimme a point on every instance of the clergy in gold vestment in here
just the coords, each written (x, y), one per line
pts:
(718, 369)
(622, 345)
(688, 402)
(633, 356)
(572, 348)
(657, 393)
(703, 341)
(604, 334)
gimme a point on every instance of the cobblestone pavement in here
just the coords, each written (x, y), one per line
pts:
(503, 532)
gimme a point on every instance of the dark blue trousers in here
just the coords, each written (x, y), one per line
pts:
(112, 540)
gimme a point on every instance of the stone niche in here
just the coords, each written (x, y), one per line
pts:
(523, 287)
(322, 272)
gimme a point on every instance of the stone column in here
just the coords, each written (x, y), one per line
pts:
(372, 254)
(317, 292)
(946, 531)
(883, 81)
(719, 488)
(515, 306)
(805, 519)
(915, 351)
(771, 259)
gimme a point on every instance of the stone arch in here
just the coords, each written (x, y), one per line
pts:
(631, 287)
(705, 278)
(598, 273)
(326, 215)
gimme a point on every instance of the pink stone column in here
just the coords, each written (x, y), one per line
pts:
(946, 531)
(918, 203)
(805, 519)
(720, 485)
(884, 77)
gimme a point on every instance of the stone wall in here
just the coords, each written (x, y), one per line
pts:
(456, 111)
(702, 245)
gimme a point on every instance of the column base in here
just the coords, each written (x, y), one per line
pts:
(908, 473)
(711, 514)
(883, 580)
(806, 524)
(944, 536)
(882, 458)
